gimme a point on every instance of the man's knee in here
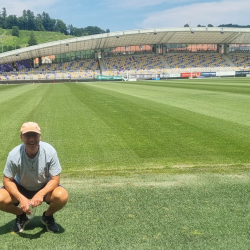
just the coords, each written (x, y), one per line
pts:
(2, 197)
(60, 195)
(5, 197)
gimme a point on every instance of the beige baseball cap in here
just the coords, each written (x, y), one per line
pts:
(30, 127)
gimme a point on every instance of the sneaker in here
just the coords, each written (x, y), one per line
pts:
(49, 222)
(21, 221)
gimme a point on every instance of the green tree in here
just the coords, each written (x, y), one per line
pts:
(21, 23)
(25, 20)
(11, 21)
(71, 29)
(186, 25)
(30, 20)
(4, 13)
(32, 39)
(48, 23)
(210, 25)
(93, 30)
(3, 18)
(61, 27)
(15, 31)
(39, 23)
(43, 22)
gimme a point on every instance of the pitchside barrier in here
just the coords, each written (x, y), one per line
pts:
(206, 74)
(116, 76)
(242, 73)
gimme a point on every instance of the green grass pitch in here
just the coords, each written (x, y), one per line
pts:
(148, 165)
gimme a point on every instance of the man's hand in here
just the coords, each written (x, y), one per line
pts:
(49, 187)
(24, 204)
(12, 189)
(37, 199)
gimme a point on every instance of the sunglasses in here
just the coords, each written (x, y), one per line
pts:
(29, 135)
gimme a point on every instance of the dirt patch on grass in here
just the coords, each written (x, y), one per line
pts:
(150, 180)
(136, 181)
(222, 165)
(183, 166)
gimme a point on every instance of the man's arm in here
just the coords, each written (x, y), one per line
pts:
(50, 186)
(11, 187)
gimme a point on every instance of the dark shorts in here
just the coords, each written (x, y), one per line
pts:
(27, 193)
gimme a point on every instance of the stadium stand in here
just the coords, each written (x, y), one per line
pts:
(149, 51)
(241, 60)
(6, 67)
(83, 65)
(196, 61)
(22, 70)
(170, 63)
(24, 64)
(124, 64)
(15, 66)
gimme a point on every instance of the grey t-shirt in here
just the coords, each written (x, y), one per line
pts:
(32, 174)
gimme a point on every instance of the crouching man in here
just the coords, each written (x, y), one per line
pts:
(32, 176)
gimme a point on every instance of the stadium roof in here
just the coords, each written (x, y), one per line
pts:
(186, 35)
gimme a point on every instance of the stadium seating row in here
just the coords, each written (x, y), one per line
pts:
(196, 61)
(82, 65)
(133, 63)
(242, 61)
(172, 62)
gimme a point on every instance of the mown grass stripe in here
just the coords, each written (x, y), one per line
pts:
(121, 126)
(232, 107)
(17, 105)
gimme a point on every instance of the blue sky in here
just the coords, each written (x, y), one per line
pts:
(118, 15)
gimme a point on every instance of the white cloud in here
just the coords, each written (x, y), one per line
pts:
(216, 13)
(16, 7)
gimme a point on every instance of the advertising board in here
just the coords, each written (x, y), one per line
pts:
(191, 74)
(208, 74)
(102, 77)
(243, 73)
(175, 75)
(164, 75)
(225, 73)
